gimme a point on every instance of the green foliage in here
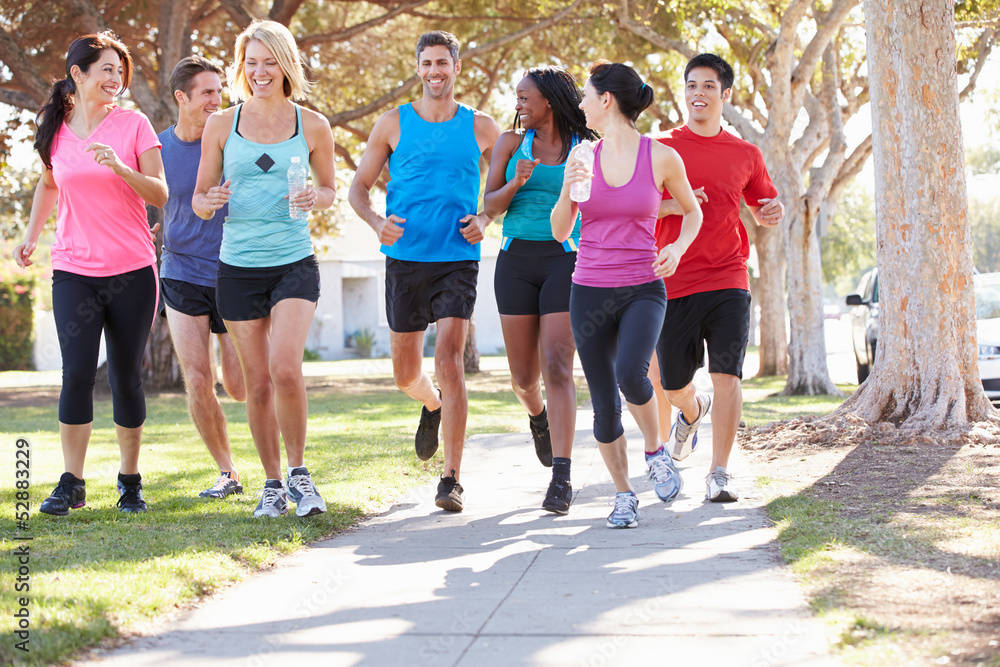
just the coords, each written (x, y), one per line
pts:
(983, 159)
(16, 315)
(364, 339)
(310, 355)
(984, 224)
(848, 249)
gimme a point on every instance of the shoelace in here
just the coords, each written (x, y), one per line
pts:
(720, 478)
(623, 504)
(62, 490)
(131, 495)
(659, 469)
(302, 484)
(222, 482)
(269, 497)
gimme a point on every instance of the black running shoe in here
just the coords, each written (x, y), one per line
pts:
(558, 497)
(225, 486)
(426, 440)
(130, 488)
(543, 442)
(449, 495)
(70, 493)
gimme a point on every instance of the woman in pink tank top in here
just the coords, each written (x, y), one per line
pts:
(617, 300)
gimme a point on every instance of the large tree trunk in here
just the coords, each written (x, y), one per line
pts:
(925, 374)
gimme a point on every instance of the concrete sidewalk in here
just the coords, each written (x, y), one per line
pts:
(505, 583)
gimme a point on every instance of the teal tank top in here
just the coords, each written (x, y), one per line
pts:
(259, 232)
(434, 183)
(527, 216)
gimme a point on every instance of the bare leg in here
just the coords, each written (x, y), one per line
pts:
(192, 343)
(450, 370)
(290, 320)
(663, 407)
(129, 442)
(75, 438)
(520, 337)
(557, 350)
(232, 374)
(616, 459)
(727, 407)
(407, 357)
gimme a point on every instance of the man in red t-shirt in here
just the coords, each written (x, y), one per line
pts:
(709, 295)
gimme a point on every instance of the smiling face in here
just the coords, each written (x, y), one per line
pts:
(103, 81)
(595, 106)
(533, 110)
(437, 71)
(204, 99)
(262, 70)
(704, 96)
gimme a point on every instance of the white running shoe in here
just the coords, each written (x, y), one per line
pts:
(719, 486)
(686, 435)
(302, 490)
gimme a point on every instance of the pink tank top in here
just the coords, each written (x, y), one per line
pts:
(617, 234)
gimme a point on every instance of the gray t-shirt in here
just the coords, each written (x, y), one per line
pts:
(190, 244)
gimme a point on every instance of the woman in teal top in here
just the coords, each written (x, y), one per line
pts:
(534, 271)
(268, 281)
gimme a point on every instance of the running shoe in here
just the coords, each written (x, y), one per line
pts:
(130, 490)
(449, 494)
(558, 497)
(686, 435)
(302, 490)
(626, 512)
(273, 501)
(543, 442)
(667, 480)
(224, 486)
(70, 493)
(426, 439)
(719, 487)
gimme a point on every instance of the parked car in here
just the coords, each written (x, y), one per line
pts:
(864, 322)
(864, 327)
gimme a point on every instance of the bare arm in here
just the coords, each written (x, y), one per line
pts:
(209, 196)
(499, 191)
(323, 193)
(372, 161)
(42, 205)
(671, 207)
(668, 165)
(148, 180)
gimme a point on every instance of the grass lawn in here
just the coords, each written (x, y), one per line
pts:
(98, 573)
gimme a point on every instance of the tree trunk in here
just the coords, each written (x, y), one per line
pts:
(925, 374)
(807, 371)
(770, 295)
(160, 367)
(470, 357)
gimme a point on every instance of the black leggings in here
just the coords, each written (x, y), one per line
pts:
(616, 329)
(122, 307)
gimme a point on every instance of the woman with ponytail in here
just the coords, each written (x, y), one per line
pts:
(101, 166)
(534, 271)
(618, 300)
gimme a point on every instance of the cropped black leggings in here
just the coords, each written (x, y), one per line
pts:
(616, 329)
(122, 307)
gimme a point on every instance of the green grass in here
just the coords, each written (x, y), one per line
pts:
(98, 573)
(762, 403)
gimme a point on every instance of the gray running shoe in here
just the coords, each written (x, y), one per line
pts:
(273, 501)
(719, 487)
(626, 512)
(686, 435)
(302, 490)
(667, 480)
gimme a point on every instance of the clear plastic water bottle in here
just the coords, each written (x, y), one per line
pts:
(297, 174)
(580, 191)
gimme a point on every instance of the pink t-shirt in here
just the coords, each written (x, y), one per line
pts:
(101, 227)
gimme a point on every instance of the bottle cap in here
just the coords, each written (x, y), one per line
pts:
(295, 159)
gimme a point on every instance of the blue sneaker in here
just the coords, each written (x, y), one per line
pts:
(685, 436)
(667, 480)
(626, 512)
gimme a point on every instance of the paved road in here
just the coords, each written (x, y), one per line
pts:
(505, 583)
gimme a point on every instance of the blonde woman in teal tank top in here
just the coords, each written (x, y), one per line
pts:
(534, 271)
(268, 281)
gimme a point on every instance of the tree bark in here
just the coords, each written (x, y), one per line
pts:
(925, 375)
(770, 296)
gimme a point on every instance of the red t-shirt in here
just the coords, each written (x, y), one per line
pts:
(729, 169)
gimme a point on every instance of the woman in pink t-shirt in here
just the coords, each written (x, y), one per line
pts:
(101, 166)
(617, 299)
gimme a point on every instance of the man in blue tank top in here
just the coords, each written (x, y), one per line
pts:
(430, 236)
(189, 264)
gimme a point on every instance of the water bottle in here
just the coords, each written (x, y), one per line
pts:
(297, 174)
(580, 191)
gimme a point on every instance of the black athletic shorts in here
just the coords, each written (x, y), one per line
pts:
(418, 293)
(249, 293)
(720, 318)
(193, 300)
(533, 278)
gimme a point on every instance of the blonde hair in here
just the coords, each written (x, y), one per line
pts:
(278, 39)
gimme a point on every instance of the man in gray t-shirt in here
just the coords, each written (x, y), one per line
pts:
(189, 265)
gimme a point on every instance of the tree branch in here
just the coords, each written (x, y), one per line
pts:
(741, 124)
(984, 45)
(653, 37)
(853, 165)
(19, 99)
(33, 85)
(347, 33)
(827, 25)
(241, 13)
(282, 11)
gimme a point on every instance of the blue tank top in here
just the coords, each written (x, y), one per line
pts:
(527, 216)
(258, 231)
(434, 174)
